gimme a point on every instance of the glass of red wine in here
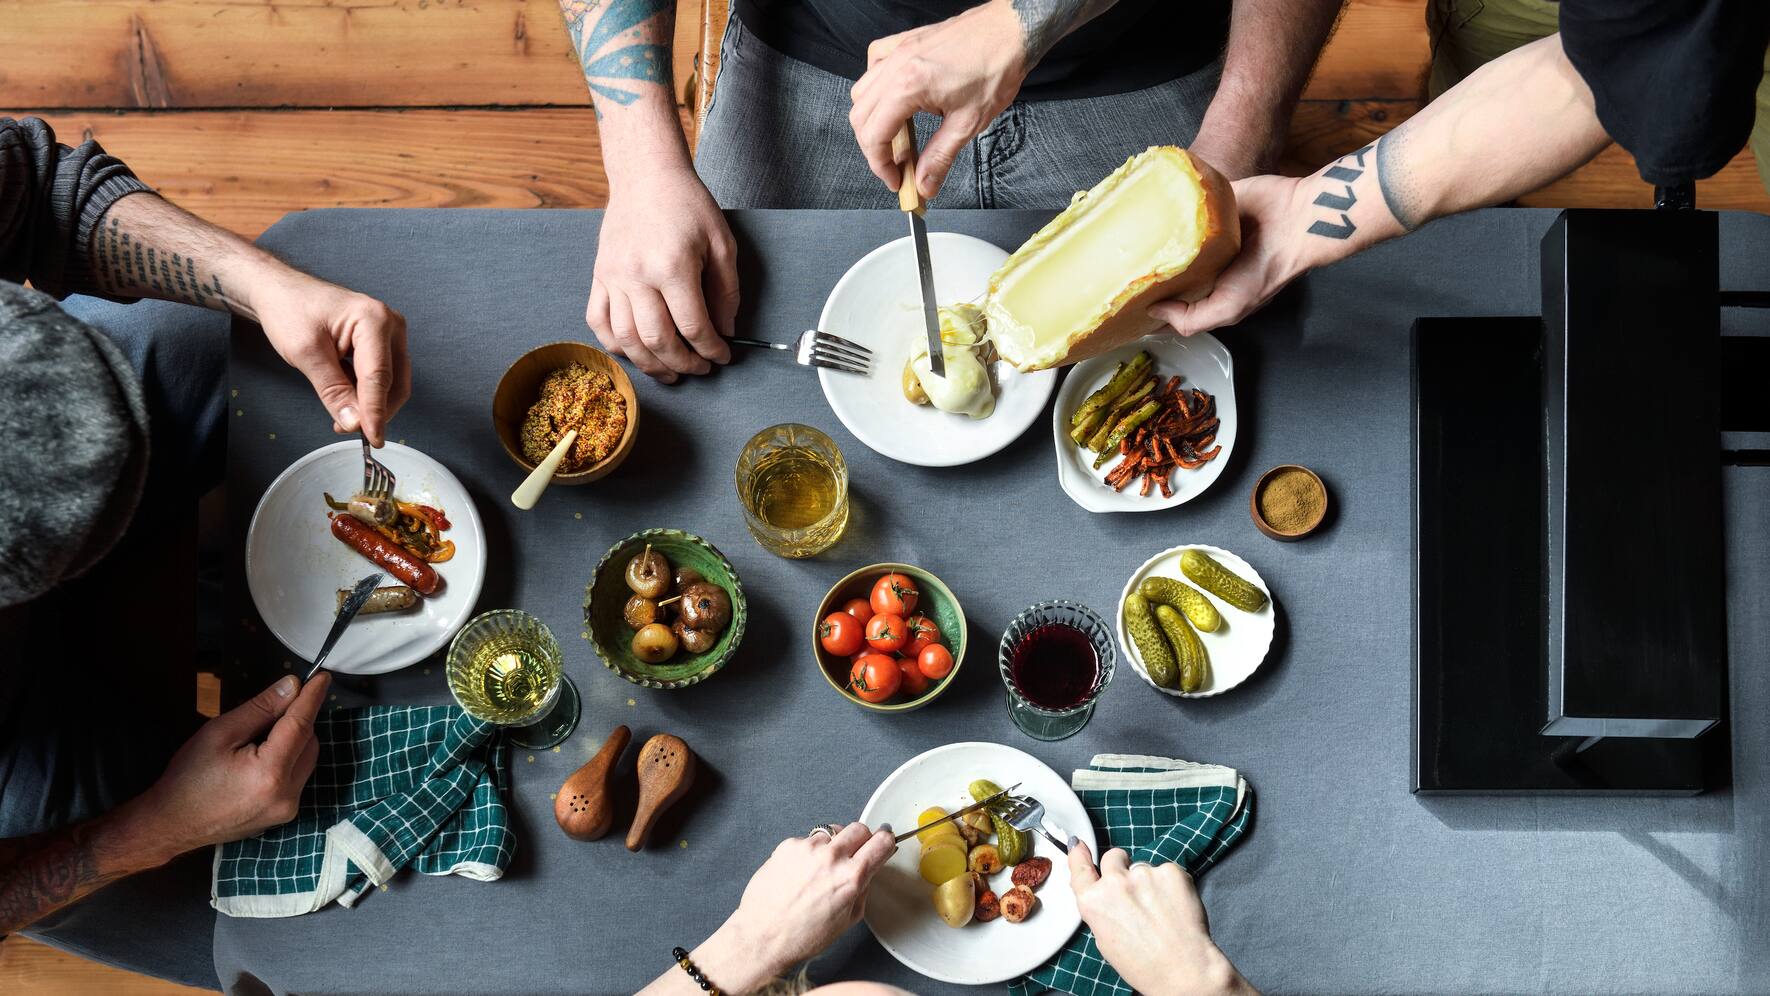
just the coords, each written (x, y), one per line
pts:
(1055, 658)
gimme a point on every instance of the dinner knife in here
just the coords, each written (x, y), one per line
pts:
(346, 612)
(948, 818)
(909, 200)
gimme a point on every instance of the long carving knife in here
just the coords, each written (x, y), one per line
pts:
(909, 200)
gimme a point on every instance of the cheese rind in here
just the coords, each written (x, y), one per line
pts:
(1160, 226)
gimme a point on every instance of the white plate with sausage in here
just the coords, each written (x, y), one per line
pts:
(295, 565)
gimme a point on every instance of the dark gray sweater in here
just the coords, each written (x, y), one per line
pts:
(73, 422)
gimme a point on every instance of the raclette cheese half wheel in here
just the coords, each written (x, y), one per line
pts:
(1163, 225)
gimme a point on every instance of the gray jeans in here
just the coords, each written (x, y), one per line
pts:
(777, 136)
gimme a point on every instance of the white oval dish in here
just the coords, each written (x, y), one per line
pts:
(1239, 646)
(295, 566)
(1203, 362)
(878, 303)
(900, 910)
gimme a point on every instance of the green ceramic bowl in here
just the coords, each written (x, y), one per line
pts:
(936, 601)
(608, 592)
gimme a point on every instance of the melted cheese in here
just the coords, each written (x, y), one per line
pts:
(1146, 219)
(966, 389)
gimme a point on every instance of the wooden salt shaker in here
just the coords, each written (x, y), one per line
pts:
(584, 807)
(666, 770)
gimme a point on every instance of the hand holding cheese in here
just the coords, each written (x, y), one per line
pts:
(1161, 226)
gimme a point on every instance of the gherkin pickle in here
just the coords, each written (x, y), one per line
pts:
(1189, 652)
(1221, 581)
(1012, 846)
(1191, 602)
(1158, 657)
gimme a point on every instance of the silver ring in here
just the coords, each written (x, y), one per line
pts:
(823, 829)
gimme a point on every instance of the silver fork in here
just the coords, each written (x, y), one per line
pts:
(1024, 813)
(821, 349)
(378, 481)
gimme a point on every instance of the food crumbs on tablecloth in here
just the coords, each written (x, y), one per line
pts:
(273, 435)
(238, 412)
(632, 702)
(384, 888)
(426, 670)
(682, 844)
(400, 441)
(234, 393)
(577, 515)
(531, 759)
(556, 750)
(553, 795)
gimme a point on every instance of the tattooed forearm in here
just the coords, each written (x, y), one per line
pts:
(1338, 196)
(623, 47)
(127, 264)
(41, 874)
(1045, 22)
(1399, 191)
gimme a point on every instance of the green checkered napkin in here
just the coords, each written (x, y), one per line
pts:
(394, 785)
(1159, 810)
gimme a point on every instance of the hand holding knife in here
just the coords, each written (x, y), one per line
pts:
(948, 818)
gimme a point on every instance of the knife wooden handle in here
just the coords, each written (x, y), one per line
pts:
(903, 152)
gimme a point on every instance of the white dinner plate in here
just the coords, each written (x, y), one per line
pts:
(1203, 362)
(295, 566)
(878, 303)
(900, 907)
(1239, 646)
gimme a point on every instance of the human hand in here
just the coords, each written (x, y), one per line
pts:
(314, 325)
(664, 293)
(966, 68)
(804, 896)
(224, 784)
(1150, 925)
(1276, 248)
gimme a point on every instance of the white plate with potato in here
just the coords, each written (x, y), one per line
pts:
(295, 565)
(900, 908)
(1203, 363)
(878, 303)
(1239, 644)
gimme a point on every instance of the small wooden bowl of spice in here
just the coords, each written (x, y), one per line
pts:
(562, 386)
(1289, 502)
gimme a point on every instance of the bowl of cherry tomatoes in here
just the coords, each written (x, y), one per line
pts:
(889, 637)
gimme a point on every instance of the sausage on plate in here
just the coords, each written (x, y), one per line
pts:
(386, 554)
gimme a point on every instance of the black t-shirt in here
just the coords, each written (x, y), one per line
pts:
(1675, 81)
(1133, 45)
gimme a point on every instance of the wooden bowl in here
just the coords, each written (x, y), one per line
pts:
(936, 601)
(520, 388)
(607, 592)
(1268, 528)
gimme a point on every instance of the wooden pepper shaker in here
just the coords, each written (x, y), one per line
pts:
(584, 807)
(666, 770)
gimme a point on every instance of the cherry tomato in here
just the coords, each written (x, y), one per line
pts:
(896, 594)
(841, 634)
(935, 661)
(887, 633)
(914, 681)
(923, 632)
(875, 677)
(859, 608)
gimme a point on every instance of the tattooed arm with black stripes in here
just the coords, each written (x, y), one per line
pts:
(664, 289)
(76, 220)
(1516, 124)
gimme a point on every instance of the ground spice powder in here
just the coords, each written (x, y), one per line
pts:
(1291, 501)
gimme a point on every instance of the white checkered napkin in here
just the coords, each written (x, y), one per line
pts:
(1159, 810)
(394, 786)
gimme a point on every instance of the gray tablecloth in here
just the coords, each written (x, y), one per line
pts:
(1347, 884)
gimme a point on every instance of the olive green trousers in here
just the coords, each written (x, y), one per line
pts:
(1467, 34)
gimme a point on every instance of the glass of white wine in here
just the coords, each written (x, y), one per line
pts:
(505, 667)
(793, 484)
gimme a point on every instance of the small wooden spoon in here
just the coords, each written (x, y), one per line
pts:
(584, 807)
(529, 491)
(666, 770)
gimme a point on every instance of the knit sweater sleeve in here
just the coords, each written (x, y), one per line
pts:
(51, 200)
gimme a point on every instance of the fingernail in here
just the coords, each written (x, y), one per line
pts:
(347, 418)
(286, 686)
(886, 828)
(1074, 840)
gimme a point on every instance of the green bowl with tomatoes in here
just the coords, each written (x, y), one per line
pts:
(921, 615)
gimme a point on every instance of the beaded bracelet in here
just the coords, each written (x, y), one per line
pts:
(694, 973)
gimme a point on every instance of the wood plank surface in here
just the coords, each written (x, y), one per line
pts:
(28, 968)
(297, 53)
(1378, 51)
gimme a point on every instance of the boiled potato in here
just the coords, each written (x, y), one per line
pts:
(956, 899)
(942, 860)
(932, 834)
